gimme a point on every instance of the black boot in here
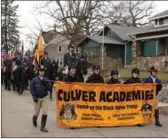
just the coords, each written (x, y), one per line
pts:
(50, 95)
(35, 121)
(43, 123)
(157, 122)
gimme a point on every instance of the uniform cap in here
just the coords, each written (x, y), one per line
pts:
(153, 69)
(114, 72)
(46, 53)
(135, 70)
(41, 68)
(71, 66)
(70, 46)
(95, 67)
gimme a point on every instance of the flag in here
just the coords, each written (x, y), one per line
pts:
(22, 47)
(3, 52)
(3, 56)
(14, 50)
(14, 53)
(37, 55)
(40, 46)
(39, 52)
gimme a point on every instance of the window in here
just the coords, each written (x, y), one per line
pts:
(166, 20)
(60, 61)
(59, 48)
(156, 22)
(77, 49)
(161, 21)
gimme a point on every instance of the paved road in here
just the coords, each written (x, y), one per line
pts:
(17, 122)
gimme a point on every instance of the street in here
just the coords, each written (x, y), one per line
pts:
(17, 114)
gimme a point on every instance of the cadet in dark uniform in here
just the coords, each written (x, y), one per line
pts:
(70, 56)
(53, 73)
(114, 77)
(18, 78)
(71, 77)
(134, 78)
(7, 72)
(153, 79)
(95, 77)
(39, 90)
(46, 62)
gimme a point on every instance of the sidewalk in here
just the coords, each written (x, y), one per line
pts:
(17, 122)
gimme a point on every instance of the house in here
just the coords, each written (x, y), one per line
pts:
(116, 44)
(151, 44)
(57, 46)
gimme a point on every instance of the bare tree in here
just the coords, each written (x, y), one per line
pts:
(73, 17)
(130, 13)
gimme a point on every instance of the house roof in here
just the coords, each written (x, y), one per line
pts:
(123, 31)
(99, 39)
(160, 15)
(58, 38)
(150, 28)
(49, 35)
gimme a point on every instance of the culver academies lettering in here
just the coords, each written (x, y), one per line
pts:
(116, 96)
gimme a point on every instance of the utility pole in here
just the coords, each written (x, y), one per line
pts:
(5, 14)
(103, 49)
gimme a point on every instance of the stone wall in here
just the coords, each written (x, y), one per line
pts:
(109, 63)
(144, 63)
(163, 94)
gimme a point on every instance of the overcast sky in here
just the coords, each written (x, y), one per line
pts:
(28, 17)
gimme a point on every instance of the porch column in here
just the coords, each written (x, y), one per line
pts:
(166, 46)
(157, 46)
(135, 52)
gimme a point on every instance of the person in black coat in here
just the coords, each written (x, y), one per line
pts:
(134, 77)
(71, 77)
(53, 73)
(114, 77)
(46, 61)
(18, 79)
(95, 77)
(153, 79)
(70, 56)
(7, 73)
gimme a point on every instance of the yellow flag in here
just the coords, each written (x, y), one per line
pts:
(40, 45)
(37, 55)
(39, 50)
(14, 50)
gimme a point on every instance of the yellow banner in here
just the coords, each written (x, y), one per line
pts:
(84, 105)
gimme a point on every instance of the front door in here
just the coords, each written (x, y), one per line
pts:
(129, 53)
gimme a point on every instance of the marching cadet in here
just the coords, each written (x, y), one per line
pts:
(7, 72)
(53, 73)
(39, 90)
(46, 63)
(95, 77)
(70, 56)
(71, 77)
(134, 77)
(153, 79)
(114, 77)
